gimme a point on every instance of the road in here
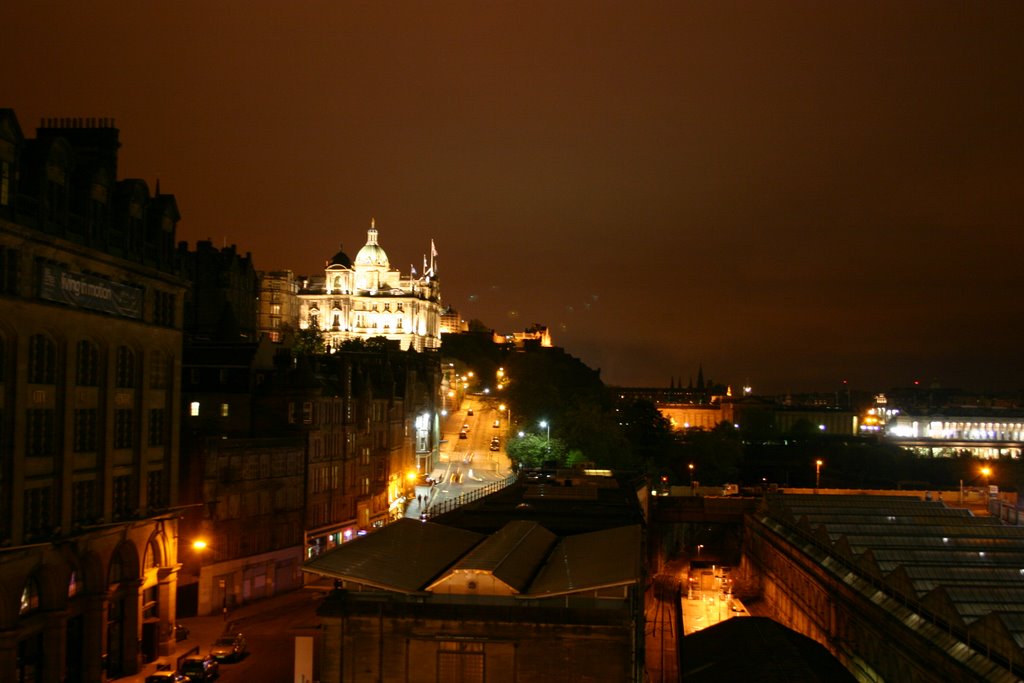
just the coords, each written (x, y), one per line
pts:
(467, 464)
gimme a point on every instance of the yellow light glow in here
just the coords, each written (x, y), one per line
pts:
(410, 475)
(199, 545)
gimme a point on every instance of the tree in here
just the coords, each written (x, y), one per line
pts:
(309, 342)
(533, 450)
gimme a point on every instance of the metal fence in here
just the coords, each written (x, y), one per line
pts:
(435, 509)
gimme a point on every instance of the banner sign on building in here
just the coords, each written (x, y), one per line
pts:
(86, 291)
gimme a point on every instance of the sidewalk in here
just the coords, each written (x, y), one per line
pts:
(204, 630)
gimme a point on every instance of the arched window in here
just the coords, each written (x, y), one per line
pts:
(125, 367)
(29, 598)
(73, 584)
(87, 361)
(42, 358)
(153, 558)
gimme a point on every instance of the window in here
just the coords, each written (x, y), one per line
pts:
(156, 489)
(87, 361)
(29, 597)
(125, 368)
(275, 309)
(73, 584)
(460, 662)
(193, 408)
(42, 357)
(307, 412)
(399, 306)
(123, 506)
(225, 410)
(10, 270)
(83, 502)
(156, 427)
(39, 432)
(163, 309)
(158, 370)
(123, 432)
(275, 336)
(84, 440)
(38, 511)
(5, 183)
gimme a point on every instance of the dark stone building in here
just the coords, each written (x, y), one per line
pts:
(90, 353)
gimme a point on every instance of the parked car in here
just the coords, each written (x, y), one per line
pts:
(470, 412)
(180, 632)
(167, 676)
(463, 435)
(497, 423)
(200, 669)
(229, 648)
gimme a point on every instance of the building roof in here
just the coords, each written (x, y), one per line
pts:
(757, 649)
(512, 555)
(932, 558)
(414, 557)
(600, 559)
(403, 556)
(372, 254)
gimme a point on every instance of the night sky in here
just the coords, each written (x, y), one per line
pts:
(792, 194)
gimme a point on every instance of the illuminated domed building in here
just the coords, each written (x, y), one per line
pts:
(365, 298)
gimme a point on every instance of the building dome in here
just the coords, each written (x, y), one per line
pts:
(371, 254)
(341, 259)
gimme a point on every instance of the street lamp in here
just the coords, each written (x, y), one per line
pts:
(817, 472)
(691, 475)
(547, 425)
(986, 472)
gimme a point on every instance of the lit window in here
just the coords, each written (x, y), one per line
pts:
(193, 408)
(224, 410)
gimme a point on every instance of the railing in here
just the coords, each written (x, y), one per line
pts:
(435, 509)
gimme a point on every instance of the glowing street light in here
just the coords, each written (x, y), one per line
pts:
(691, 474)
(817, 472)
(546, 425)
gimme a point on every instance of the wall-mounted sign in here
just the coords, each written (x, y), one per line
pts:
(86, 291)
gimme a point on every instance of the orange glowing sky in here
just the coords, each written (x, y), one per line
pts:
(791, 193)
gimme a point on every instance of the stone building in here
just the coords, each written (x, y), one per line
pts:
(365, 298)
(221, 302)
(540, 581)
(279, 305)
(90, 350)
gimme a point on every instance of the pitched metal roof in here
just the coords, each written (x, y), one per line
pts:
(411, 557)
(610, 557)
(403, 556)
(513, 554)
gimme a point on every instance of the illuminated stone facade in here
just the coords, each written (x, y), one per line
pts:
(366, 298)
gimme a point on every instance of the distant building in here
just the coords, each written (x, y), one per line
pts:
(222, 300)
(90, 351)
(279, 305)
(365, 298)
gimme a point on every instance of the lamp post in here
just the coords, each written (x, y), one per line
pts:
(691, 476)
(817, 472)
(547, 425)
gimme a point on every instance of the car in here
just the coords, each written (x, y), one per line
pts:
(463, 435)
(200, 669)
(469, 412)
(180, 632)
(166, 676)
(497, 423)
(495, 446)
(229, 647)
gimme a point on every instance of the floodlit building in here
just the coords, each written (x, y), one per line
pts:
(90, 346)
(365, 298)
